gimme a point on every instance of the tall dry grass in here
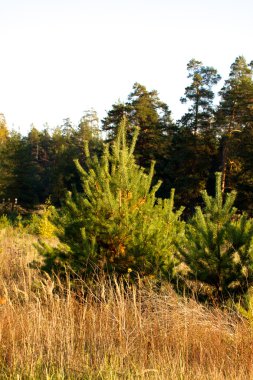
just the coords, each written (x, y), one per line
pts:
(109, 331)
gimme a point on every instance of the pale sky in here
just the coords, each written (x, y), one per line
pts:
(62, 57)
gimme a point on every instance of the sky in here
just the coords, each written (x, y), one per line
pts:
(60, 58)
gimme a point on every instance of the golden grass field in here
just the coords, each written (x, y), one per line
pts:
(107, 331)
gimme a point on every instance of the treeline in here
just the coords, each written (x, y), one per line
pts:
(40, 165)
(207, 139)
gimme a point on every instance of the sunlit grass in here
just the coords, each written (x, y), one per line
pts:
(109, 330)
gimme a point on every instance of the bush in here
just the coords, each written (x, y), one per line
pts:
(40, 224)
(4, 222)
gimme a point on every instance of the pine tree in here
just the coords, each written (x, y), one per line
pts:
(234, 114)
(19, 174)
(156, 128)
(242, 177)
(219, 246)
(195, 142)
(201, 95)
(153, 117)
(116, 223)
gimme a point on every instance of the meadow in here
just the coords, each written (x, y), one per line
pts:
(106, 329)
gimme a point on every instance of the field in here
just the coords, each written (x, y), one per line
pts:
(105, 330)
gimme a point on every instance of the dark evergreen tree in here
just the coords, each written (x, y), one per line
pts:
(195, 144)
(111, 122)
(240, 168)
(235, 112)
(88, 130)
(66, 145)
(153, 117)
(199, 117)
(20, 171)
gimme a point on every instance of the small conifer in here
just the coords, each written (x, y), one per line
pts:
(218, 249)
(116, 223)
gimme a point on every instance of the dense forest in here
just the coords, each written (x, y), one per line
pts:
(187, 152)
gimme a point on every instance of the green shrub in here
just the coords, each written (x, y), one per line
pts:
(4, 222)
(40, 224)
(116, 224)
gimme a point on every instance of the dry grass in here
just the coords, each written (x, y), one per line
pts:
(108, 331)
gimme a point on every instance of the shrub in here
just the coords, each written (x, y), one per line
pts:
(40, 224)
(4, 222)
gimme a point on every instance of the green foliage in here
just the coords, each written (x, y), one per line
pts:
(218, 249)
(245, 306)
(116, 223)
(40, 165)
(195, 141)
(187, 154)
(40, 224)
(4, 222)
(200, 94)
(3, 130)
(235, 109)
(153, 117)
(234, 118)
